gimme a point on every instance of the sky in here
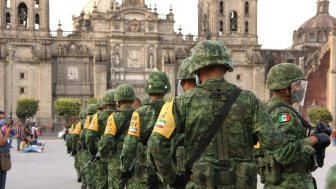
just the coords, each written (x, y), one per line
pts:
(277, 19)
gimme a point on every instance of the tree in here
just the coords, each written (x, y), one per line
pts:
(26, 107)
(69, 108)
(319, 113)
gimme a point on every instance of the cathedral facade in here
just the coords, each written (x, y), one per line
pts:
(114, 43)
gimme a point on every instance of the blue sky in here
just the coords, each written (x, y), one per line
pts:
(277, 19)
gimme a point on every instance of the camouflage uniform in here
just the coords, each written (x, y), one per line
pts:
(191, 115)
(331, 178)
(75, 136)
(86, 175)
(142, 123)
(187, 80)
(294, 158)
(68, 143)
(95, 131)
(109, 146)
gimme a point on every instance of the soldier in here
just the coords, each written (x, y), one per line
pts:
(75, 136)
(111, 142)
(331, 178)
(187, 80)
(87, 179)
(95, 131)
(291, 163)
(220, 124)
(142, 123)
(68, 144)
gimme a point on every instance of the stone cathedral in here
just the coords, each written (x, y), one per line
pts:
(114, 43)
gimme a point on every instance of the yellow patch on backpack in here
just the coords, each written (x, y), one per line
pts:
(77, 129)
(165, 124)
(111, 128)
(134, 127)
(94, 123)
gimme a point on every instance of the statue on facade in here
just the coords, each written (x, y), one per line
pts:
(23, 16)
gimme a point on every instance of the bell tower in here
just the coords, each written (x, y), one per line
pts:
(234, 22)
(24, 14)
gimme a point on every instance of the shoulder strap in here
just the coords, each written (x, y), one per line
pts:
(214, 127)
(124, 125)
(303, 121)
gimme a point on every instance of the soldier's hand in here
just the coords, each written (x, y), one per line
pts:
(323, 139)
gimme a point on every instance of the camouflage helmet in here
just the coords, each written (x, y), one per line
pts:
(183, 72)
(109, 97)
(331, 178)
(82, 114)
(157, 83)
(210, 52)
(283, 75)
(91, 109)
(124, 92)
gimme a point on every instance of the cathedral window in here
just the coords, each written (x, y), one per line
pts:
(72, 73)
(37, 21)
(238, 78)
(246, 27)
(22, 75)
(233, 21)
(247, 7)
(23, 13)
(8, 20)
(37, 4)
(220, 27)
(8, 2)
(221, 8)
(22, 90)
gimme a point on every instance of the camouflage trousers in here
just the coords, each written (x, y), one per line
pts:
(294, 181)
(113, 174)
(89, 171)
(102, 175)
(81, 163)
(77, 165)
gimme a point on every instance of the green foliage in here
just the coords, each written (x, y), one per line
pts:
(67, 106)
(26, 107)
(318, 113)
(92, 100)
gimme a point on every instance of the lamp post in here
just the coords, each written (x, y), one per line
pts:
(11, 56)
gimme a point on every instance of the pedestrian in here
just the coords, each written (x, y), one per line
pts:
(220, 124)
(291, 164)
(111, 142)
(333, 137)
(134, 151)
(94, 133)
(29, 147)
(331, 178)
(19, 134)
(65, 133)
(34, 133)
(4, 146)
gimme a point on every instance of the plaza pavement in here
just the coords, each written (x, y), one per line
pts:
(53, 168)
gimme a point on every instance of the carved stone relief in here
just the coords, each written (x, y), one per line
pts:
(134, 57)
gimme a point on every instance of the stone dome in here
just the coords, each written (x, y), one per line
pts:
(102, 5)
(319, 21)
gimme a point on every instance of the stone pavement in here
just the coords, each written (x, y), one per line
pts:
(51, 169)
(54, 169)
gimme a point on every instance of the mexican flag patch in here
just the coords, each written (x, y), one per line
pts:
(284, 118)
